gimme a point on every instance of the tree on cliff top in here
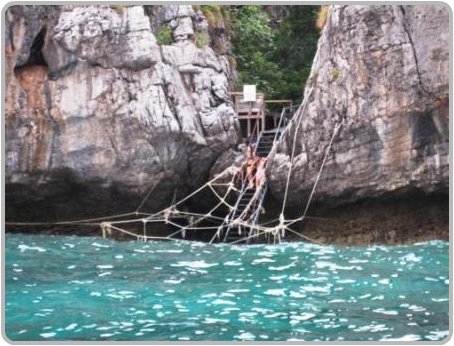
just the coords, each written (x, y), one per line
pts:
(274, 47)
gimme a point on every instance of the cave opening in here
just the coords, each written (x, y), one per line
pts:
(36, 57)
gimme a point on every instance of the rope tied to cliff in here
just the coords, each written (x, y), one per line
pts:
(221, 190)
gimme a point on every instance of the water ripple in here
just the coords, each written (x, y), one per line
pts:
(68, 288)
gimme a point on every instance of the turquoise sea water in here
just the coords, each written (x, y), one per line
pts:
(81, 288)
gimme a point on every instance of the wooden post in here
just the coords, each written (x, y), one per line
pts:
(262, 114)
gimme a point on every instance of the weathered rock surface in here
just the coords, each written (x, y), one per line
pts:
(97, 112)
(383, 72)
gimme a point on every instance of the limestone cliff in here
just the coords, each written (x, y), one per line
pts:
(383, 71)
(98, 112)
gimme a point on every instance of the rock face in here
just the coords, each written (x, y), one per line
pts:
(98, 112)
(383, 71)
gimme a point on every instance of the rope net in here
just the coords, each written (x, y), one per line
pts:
(176, 222)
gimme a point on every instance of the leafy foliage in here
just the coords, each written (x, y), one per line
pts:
(201, 39)
(253, 41)
(164, 35)
(213, 14)
(274, 53)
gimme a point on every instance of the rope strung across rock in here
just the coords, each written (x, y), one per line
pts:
(246, 220)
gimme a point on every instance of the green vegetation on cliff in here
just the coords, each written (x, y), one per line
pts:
(274, 47)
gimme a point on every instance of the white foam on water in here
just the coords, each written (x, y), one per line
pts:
(431, 242)
(282, 267)
(222, 302)
(239, 290)
(95, 244)
(379, 297)
(372, 328)
(126, 324)
(104, 266)
(248, 314)
(106, 335)
(105, 328)
(209, 320)
(294, 294)
(355, 260)
(345, 281)
(262, 260)
(317, 279)
(71, 326)
(416, 308)
(232, 263)
(276, 314)
(437, 335)
(169, 251)
(227, 294)
(408, 337)
(266, 253)
(430, 279)
(174, 281)
(411, 257)
(80, 282)
(385, 312)
(115, 296)
(194, 264)
(105, 274)
(384, 281)
(41, 315)
(245, 336)
(23, 248)
(296, 277)
(277, 277)
(312, 288)
(439, 299)
(324, 250)
(275, 292)
(47, 335)
(295, 319)
(334, 266)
